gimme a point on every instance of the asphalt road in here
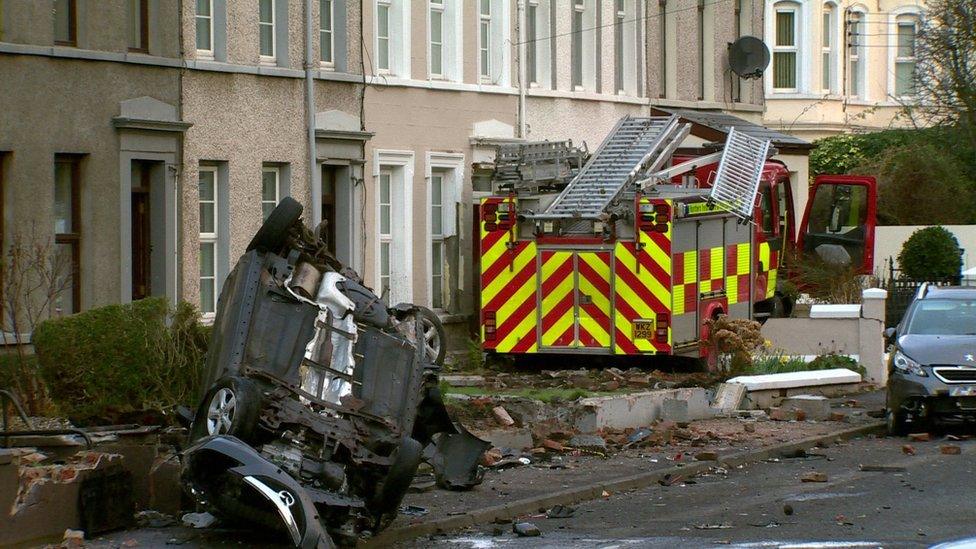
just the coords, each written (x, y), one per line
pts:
(929, 501)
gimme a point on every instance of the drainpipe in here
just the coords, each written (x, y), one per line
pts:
(522, 71)
(313, 175)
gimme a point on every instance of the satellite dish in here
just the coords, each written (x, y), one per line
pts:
(748, 57)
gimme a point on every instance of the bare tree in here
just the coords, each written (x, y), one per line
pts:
(945, 76)
(34, 278)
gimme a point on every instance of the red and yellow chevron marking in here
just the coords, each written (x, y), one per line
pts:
(558, 298)
(594, 299)
(642, 287)
(770, 262)
(508, 291)
(685, 287)
(711, 270)
(738, 273)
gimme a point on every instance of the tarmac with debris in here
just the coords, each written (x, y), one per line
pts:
(868, 492)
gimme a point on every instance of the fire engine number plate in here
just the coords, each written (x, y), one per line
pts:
(643, 329)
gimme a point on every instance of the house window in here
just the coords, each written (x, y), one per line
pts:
(266, 28)
(270, 189)
(785, 50)
(436, 32)
(383, 36)
(905, 56)
(485, 30)
(854, 38)
(386, 230)
(139, 25)
(576, 46)
(827, 49)
(205, 24)
(67, 232)
(437, 181)
(209, 234)
(65, 22)
(326, 32)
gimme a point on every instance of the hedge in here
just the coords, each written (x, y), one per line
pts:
(107, 362)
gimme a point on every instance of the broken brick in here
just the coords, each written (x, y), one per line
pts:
(950, 450)
(836, 416)
(814, 476)
(502, 416)
(908, 449)
(491, 457)
(779, 414)
(552, 445)
(799, 414)
(749, 427)
(920, 437)
(706, 456)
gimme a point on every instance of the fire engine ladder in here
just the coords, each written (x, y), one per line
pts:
(739, 171)
(634, 145)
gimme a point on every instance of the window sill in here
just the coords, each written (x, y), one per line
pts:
(205, 55)
(327, 65)
(268, 61)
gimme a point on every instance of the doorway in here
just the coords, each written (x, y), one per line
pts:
(148, 230)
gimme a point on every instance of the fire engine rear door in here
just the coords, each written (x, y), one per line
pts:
(593, 299)
(574, 299)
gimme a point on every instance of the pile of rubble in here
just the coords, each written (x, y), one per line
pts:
(598, 380)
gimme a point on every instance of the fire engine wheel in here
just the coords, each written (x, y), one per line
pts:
(273, 233)
(230, 407)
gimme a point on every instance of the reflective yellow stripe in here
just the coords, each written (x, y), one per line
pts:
(771, 283)
(627, 260)
(732, 289)
(718, 263)
(742, 259)
(504, 278)
(764, 255)
(493, 254)
(520, 331)
(678, 296)
(691, 267)
(558, 328)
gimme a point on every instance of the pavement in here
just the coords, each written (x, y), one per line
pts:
(923, 499)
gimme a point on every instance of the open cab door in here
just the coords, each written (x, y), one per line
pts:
(839, 221)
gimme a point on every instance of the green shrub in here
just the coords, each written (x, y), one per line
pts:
(931, 254)
(831, 361)
(122, 358)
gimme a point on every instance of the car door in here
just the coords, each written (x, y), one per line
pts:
(839, 221)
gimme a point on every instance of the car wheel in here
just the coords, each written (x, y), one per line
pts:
(895, 423)
(273, 233)
(230, 407)
(390, 493)
(435, 340)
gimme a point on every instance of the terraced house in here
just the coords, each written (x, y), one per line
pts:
(840, 66)
(150, 138)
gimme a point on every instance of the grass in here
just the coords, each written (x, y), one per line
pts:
(547, 395)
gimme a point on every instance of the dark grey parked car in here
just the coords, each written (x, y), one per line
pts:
(322, 400)
(932, 362)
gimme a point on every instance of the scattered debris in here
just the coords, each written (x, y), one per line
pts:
(199, 520)
(526, 529)
(706, 456)
(908, 449)
(73, 538)
(920, 437)
(749, 427)
(836, 416)
(814, 476)
(154, 519)
(413, 510)
(882, 468)
(670, 479)
(588, 441)
(502, 416)
(552, 445)
(720, 526)
(561, 511)
(950, 450)
(787, 509)
(814, 407)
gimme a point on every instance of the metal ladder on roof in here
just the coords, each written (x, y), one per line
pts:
(633, 146)
(739, 171)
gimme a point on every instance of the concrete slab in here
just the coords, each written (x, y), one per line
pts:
(793, 380)
(835, 311)
(728, 397)
(515, 439)
(815, 407)
(637, 409)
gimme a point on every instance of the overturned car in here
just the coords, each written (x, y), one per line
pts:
(322, 400)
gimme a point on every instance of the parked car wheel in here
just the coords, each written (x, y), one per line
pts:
(895, 423)
(230, 407)
(435, 340)
(272, 234)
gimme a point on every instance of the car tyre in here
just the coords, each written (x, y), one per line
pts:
(230, 407)
(391, 491)
(435, 339)
(273, 233)
(895, 423)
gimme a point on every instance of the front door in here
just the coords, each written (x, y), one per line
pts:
(574, 298)
(141, 235)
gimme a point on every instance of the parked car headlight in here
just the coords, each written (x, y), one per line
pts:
(907, 365)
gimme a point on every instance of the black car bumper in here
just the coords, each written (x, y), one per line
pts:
(921, 399)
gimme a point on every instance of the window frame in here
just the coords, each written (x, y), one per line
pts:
(205, 52)
(577, 18)
(388, 6)
(620, 17)
(273, 58)
(904, 19)
(276, 170)
(143, 31)
(485, 29)
(795, 10)
(532, 47)
(435, 6)
(327, 63)
(435, 239)
(72, 40)
(828, 47)
(211, 238)
(855, 54)
(384, 238)
(72, 238)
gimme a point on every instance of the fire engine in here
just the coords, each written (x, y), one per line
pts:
(643, 245)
